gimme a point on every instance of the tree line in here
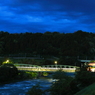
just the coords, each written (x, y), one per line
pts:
(57, 44)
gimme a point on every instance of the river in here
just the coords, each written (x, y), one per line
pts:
(20, 88)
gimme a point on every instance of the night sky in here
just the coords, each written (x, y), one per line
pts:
(64, 16)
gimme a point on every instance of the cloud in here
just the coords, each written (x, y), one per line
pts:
(47, 15)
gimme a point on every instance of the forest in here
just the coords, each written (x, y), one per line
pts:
(64, 46)
(56, 44)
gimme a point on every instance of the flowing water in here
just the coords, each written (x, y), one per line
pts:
(20, 88)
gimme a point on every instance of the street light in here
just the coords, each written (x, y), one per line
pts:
(7, 61)
(55, 63)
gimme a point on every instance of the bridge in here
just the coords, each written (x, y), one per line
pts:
(46, 68)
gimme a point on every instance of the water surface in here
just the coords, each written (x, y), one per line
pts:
(20, 88)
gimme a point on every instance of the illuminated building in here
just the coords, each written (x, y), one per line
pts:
(91, 67)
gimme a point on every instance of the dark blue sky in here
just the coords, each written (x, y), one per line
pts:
(19, 16)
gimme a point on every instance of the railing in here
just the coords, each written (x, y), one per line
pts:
(46, 68)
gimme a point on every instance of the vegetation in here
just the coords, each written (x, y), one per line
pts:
(63, 84)
(67, 47)
(69, 61)
(89, 90)
(36, 90)
(45, 74)
(60, 75)
(9, 73)
(84, 78)
(57, 44)
(23, 75)
(69, 86)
